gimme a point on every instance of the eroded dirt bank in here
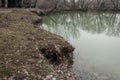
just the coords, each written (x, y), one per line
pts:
(28, 52)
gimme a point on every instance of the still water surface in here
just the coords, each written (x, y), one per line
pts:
(96, 38)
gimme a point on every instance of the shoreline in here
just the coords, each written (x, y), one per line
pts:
(45, 12)
(29, 52)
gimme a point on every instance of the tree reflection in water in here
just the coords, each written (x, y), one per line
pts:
(70, 24)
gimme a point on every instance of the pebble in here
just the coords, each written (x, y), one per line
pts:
(54, 79)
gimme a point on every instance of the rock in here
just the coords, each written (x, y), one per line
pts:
(54, 79)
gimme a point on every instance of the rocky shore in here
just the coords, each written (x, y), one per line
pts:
(28, 52)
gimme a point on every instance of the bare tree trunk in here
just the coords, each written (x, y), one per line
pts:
(83, 5)
(73, 4)
(115, 3)
(22, 3)
(6, 3)
(55, 4)
(35, 3)
(30, 4)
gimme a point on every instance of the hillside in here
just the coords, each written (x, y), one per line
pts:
(29, 52)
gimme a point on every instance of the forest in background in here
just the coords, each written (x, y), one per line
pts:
(79, 4)
(63, 4)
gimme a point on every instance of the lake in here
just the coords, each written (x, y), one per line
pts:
(96, 38)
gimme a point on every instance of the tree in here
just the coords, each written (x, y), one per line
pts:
(6, 3)
(73, 4)
(35, 3)
(115, 3)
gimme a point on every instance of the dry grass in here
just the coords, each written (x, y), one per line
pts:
(20, 44)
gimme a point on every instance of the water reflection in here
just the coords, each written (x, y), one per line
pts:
(96, 38)
(69, 24)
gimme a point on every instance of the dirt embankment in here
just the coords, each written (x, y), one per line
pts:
(28, 52)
